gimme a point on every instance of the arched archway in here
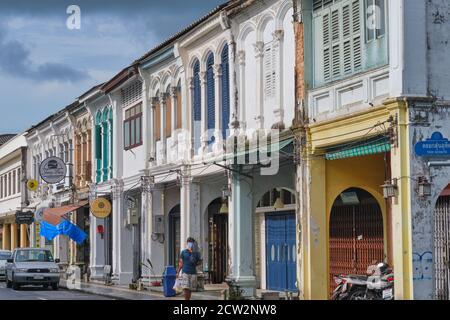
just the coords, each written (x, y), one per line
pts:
(441, 249)
(356, 237)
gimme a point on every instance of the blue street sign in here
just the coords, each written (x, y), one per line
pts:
(436, 146)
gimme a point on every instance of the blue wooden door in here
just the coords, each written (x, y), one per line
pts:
(280, 252)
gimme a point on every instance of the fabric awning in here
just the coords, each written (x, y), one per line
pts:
(54, 215)
(368, 147)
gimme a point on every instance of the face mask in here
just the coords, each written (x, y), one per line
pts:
(190, 245)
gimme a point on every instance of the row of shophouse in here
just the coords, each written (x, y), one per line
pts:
(354, 96)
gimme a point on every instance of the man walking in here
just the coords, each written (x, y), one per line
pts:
(189, 260)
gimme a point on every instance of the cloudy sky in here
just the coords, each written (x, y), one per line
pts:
(44, 66)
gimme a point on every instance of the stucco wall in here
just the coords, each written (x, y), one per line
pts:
(422, 209)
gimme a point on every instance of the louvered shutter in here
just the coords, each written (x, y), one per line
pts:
(337, 40)
(357, 38)
(225, 92)
(268, 70)
(326, 47)
(197, 94)
(210, 92)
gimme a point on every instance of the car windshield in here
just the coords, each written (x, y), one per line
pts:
(34, 256)
(4, 256)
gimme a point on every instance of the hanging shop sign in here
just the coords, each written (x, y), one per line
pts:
(24, 217)
(39, 214)
(53, 170)
(32, 185)
(436, 146)
(101, 208)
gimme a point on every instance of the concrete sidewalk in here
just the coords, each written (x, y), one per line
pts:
(124, 293)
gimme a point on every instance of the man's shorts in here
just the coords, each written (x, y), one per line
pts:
(189, 281)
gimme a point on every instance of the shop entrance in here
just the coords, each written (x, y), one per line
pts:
(356, 233)
(218, 241)
(174, 236)
(442, 245)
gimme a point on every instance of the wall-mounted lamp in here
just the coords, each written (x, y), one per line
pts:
(390, 188)
(279, 204)
(224, 206)
(424, 187)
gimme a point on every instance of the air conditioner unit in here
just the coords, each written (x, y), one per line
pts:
(158, 224)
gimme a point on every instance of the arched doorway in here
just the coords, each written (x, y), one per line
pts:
(356, 233)
(174, 235)
(275, 240)
(218, 240)
(442, 246)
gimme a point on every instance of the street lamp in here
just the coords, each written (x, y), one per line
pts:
(389, 188)
(424, 187)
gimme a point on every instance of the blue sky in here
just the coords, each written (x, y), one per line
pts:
(44, 66)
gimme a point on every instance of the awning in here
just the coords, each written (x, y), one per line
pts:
(262, 150)
(364, 148)
(54, 215)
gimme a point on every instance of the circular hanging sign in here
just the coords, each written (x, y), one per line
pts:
(101, 208)
(53, 170)
(32, 185)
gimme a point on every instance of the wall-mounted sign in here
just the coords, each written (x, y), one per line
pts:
(436, 146)
(24, 217)
(53, 170)
(101, 208)
(32, 185)
(350, 198)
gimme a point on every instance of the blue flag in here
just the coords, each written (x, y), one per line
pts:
(48, 231)
(66, 228)
(72, 231)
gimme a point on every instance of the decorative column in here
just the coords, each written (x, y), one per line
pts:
(147, 184)
(278, 37)
(122, 236)
(259, 55)
(23, 236)
(190, 217)
(234, 117)
(154, 102)
(204, 120)
(190, 120)
(218, 107)
(240, 230)
(174, 115)
(6, 237)
(242, 111)
(157, 246)
(97, 254)
(14, 236)
(162, 105)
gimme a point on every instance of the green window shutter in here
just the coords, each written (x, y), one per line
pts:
(357, 38)
(98, 142)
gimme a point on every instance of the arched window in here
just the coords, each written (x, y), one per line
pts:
(225, 91)
(210, 94)
(196, 99)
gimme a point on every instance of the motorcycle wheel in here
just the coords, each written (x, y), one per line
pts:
(358, 294)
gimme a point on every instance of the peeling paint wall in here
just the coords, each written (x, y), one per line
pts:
(438, 42)
(425, 119)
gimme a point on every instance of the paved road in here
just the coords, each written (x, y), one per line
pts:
(39, 293)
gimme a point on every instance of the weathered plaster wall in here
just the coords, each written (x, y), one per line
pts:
(438, 41)
(431, 120)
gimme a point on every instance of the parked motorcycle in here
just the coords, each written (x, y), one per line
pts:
(378, 284)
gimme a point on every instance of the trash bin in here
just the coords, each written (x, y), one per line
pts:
(169, 278)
